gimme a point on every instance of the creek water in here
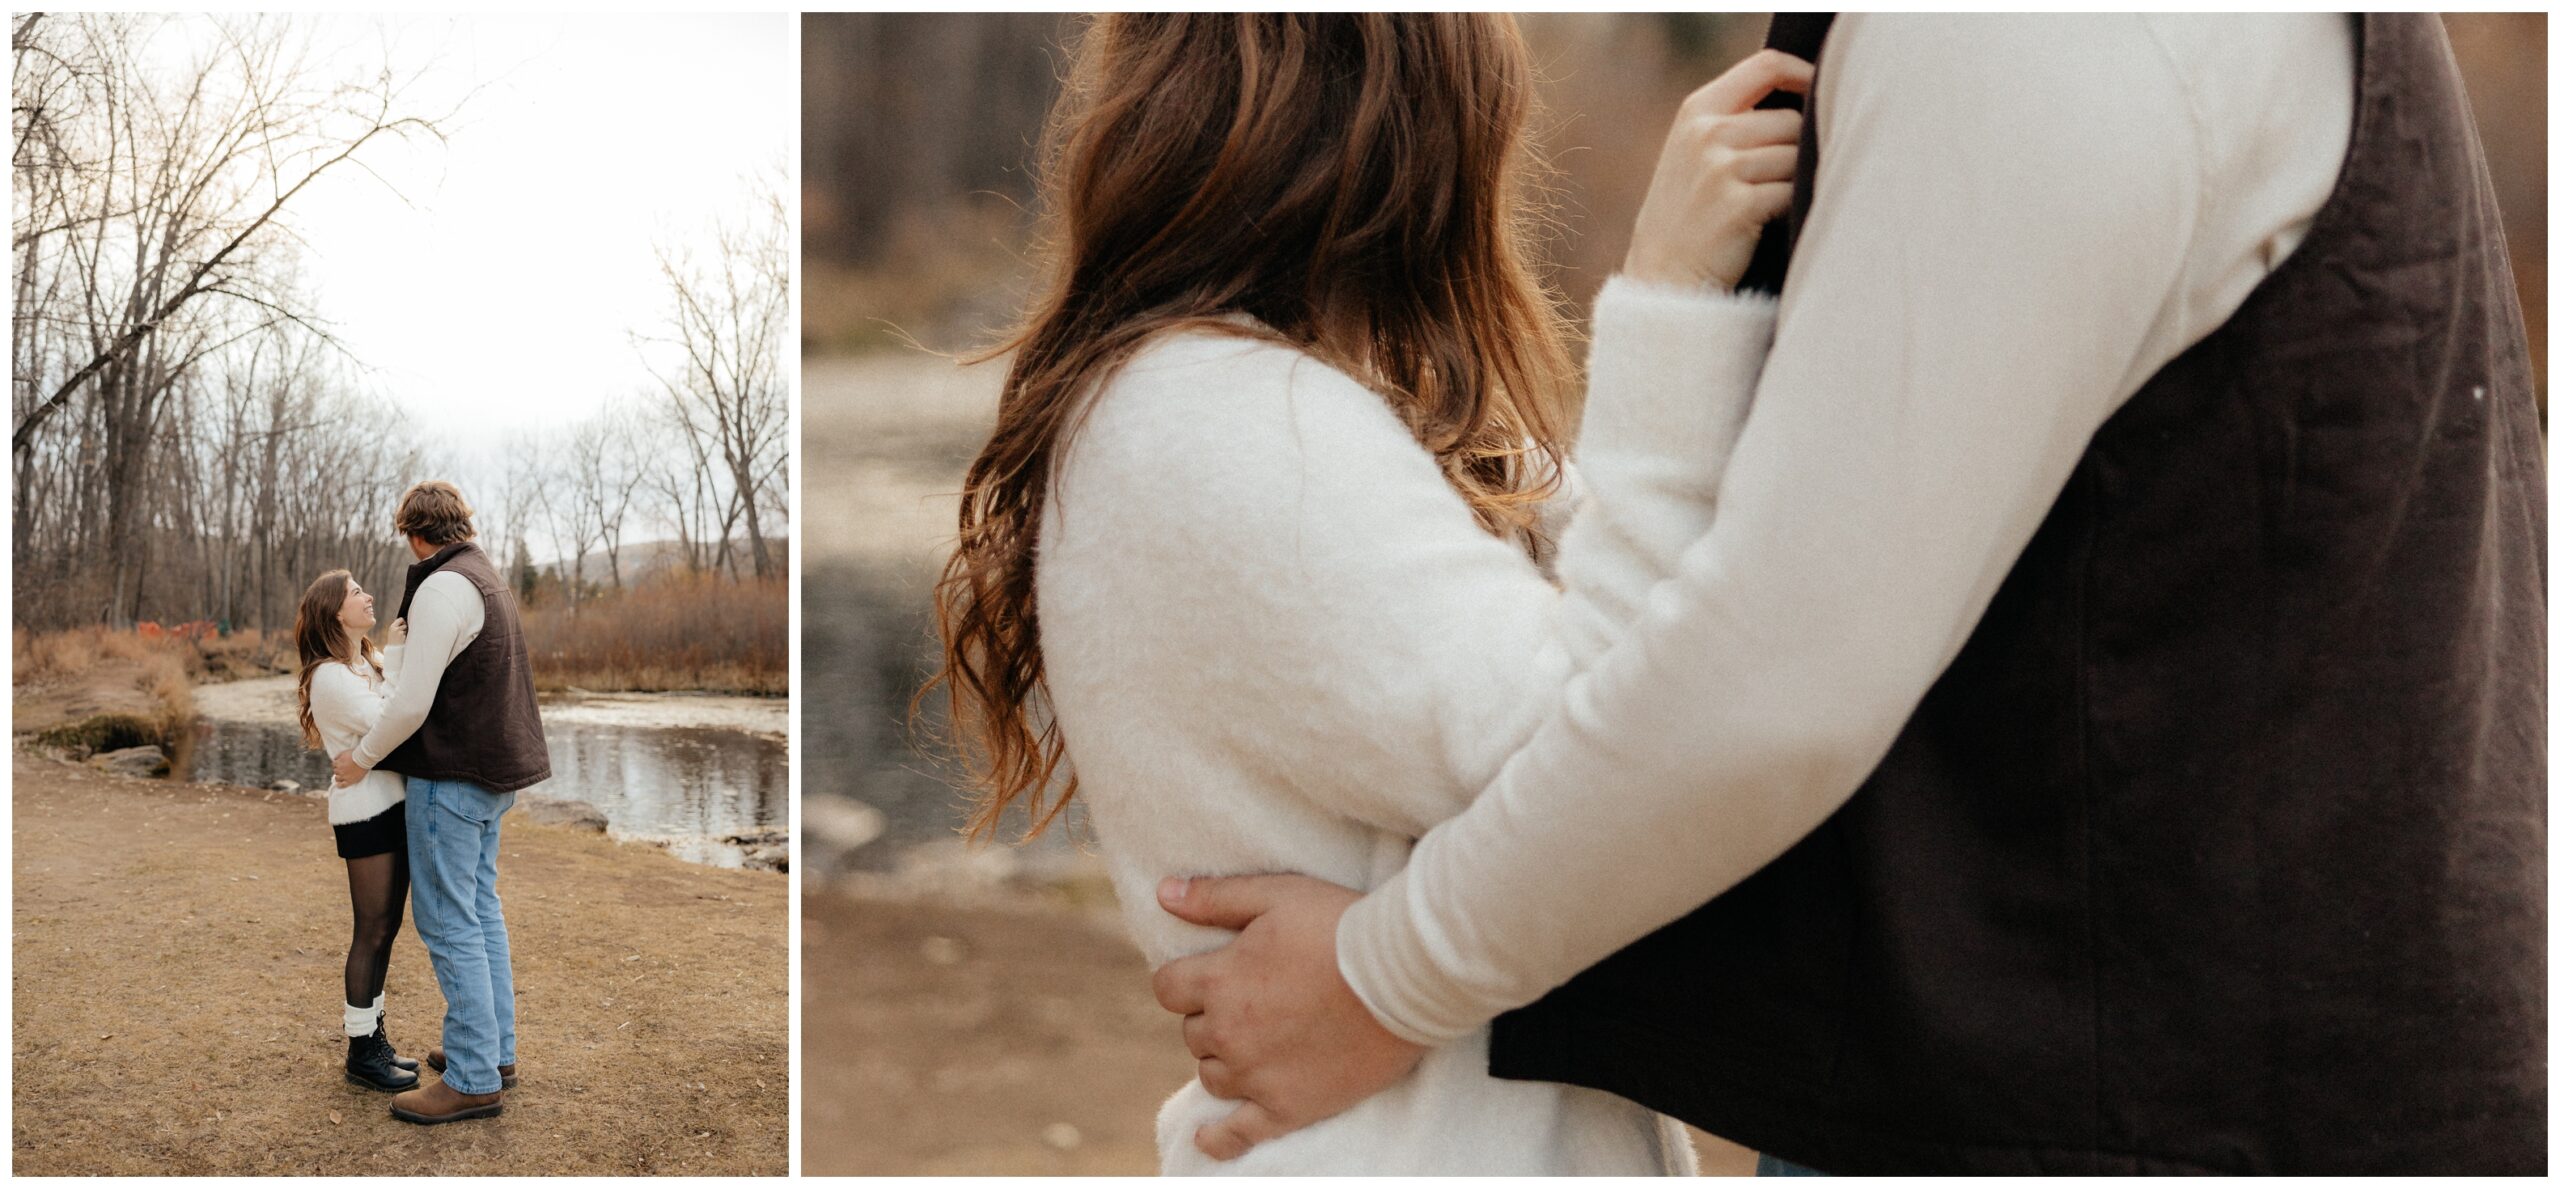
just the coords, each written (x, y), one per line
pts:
(888, 437)
(655, 777)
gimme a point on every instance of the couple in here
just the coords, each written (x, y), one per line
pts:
(429, 740)
(2061, 691)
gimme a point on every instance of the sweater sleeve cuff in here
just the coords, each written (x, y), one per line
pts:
(1672, 370)
(1384, 959)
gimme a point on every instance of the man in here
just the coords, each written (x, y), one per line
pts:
(463, 728)
(2141, 514)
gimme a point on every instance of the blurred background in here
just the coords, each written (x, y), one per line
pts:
(978, 1010)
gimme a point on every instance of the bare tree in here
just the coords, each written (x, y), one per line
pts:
(682, 482)
(222, 154)
(726, 388)
(609, 460)
(157, 301)
(178, 411)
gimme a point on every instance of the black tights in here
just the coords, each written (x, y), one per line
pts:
(379, 886)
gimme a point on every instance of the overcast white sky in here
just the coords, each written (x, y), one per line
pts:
(503, 293)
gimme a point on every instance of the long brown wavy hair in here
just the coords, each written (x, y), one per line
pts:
(1351, 183)
(320, 639)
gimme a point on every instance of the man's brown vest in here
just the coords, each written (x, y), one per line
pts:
(484, 726)
(2220, 845)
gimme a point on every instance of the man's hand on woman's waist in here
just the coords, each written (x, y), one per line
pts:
(1268, 1015)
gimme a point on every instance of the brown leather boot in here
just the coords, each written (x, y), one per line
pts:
(506, 1073)
(440, 1103)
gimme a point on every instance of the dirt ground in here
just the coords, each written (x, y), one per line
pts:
(942, 1039)
(177, 958)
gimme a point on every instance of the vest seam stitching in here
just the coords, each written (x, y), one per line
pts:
(2089, 810)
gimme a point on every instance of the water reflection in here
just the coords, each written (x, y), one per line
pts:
(866, 646)
(253, 754)
(683, 787)
(670, 783)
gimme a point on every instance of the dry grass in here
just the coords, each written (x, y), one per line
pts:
(41, 656)
(176, 998)
(247, 653)
(166, 681)
(162, 667)
(674, 632)
(954, 282)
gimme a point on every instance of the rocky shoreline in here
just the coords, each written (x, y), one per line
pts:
(759, 850)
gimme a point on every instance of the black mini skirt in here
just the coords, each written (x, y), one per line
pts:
(380, 834)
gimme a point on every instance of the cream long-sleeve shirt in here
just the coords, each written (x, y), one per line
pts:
(346, 700)
(2018, 220)
(1276, 639)
(445, 616)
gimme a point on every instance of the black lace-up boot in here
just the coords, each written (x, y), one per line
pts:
(369, 1064)
(380, 1034)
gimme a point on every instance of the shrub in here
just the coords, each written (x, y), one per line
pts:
(674, 631)
(161, 664)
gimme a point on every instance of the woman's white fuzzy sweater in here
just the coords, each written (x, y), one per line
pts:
(1277, 640)
(346, 700)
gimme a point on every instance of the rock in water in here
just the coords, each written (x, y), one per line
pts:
(133, 761)
(840, 823)
(577, 815)
(762, 850)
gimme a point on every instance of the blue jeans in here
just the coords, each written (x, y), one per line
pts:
(1775, 1166)
(453, 898)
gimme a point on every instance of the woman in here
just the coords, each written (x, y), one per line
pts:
(345, 681)
(1258, 541)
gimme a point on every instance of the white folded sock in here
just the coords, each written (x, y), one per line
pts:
(361, 1021)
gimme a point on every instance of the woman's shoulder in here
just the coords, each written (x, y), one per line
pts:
(1200, 399)
(1232, 377)
(337, 677)
(1213, 443)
